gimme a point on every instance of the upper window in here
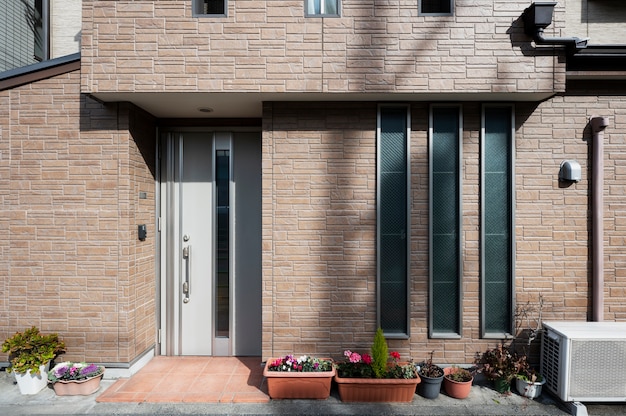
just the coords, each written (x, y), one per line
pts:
(209, 7)
(23, 33)
(322, 7)
(435, 7)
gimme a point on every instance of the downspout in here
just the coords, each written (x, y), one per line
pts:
(572, 44)
(598, 124)
(539, 16)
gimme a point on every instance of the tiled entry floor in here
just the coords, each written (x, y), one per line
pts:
(192, 380)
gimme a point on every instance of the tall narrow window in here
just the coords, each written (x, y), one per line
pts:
(497, 227)
(209, 7)
(393, 220)
(222, 255)
(322, 7)
(435, 7)
(445, 222)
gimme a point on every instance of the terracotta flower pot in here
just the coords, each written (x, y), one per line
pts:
(376, 389)
(298, 385)
(456, 389)
(77, 387)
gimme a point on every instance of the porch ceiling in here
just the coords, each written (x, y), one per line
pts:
(244, 105)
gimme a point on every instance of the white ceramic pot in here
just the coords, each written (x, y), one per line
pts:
(32, 383)
(528, 389)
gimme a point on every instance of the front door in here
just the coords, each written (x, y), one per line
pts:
(211, 243)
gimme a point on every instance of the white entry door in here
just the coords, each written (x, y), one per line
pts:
(211, 244)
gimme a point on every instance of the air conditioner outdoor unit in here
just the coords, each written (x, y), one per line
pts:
(585, 361)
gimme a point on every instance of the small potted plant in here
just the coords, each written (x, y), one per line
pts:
(431, 376)
(30, 353)
(70, 378)
(500, 365)
(379, 377)
(529, 382)
(457, 382)
(305, 377)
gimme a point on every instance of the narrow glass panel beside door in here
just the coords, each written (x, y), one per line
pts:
(222, 254)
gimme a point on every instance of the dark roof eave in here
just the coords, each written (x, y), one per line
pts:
(41, 70)
(600, 58)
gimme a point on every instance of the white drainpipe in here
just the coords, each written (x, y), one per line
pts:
(598, 124)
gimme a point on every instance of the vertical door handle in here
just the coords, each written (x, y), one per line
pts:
(187, 282)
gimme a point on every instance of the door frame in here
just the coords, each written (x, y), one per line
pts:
(167, 288)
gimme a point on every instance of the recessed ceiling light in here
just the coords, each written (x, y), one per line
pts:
(205, 109)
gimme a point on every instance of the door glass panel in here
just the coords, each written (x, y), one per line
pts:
(222, 182)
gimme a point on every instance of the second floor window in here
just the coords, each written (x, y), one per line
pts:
(437, 7)
(209, 7)
(322, 7)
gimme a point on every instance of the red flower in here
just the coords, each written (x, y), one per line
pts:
(366, 359)
(395, 355)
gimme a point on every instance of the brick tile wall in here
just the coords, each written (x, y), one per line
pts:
(319, 223)
(70, 178)
(271, 47)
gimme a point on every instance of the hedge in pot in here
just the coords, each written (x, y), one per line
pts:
(501, 366)
(431, 376)
(305, 377)
(379, 377)
(30, 352)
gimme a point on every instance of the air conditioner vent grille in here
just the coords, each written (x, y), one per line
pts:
(598, 368)
(551, 353)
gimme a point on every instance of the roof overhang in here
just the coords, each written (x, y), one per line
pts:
(234, 104)
(41, 70)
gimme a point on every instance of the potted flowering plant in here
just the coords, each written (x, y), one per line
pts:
(379, 377)
(30, 353)
(305, 377)
(70, 378)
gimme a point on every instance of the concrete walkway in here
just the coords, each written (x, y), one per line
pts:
(483, 400)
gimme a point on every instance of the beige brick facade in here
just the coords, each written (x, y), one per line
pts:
(269, 46)
(73, 169)
(319, 210)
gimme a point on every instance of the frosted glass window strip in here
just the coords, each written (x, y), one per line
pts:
(497, 224)
(445, 221)
(393, 224)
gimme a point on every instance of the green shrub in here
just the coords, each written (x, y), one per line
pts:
(30, 349)
(379, 354)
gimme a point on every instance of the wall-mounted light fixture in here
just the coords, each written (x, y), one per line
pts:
(570, 171)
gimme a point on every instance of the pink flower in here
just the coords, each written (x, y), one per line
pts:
(355, 357)
(367, 359)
